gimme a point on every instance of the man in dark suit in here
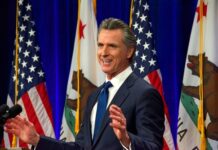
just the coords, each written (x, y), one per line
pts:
(134, 118)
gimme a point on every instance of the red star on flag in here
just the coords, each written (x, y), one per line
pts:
(204, 11)
(81, 29)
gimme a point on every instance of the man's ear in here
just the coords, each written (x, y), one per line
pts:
(130, 52)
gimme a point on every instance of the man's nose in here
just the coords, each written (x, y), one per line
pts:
(105, 51)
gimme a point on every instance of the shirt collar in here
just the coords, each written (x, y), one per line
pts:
(121, 77)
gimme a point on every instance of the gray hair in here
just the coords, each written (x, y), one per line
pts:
(128, 36)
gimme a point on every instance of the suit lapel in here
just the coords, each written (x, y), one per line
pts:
(118, 100)
(92, 102)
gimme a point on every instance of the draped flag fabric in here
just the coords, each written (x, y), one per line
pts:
(85, 73)
(188, 136)
(145, 62)
(32, 94)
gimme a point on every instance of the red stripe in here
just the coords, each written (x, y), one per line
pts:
(155, 80)
(22, 144)
(31, 114)
(3, 142)
(45, 100)
(157, 83)
(165, 145)
(10, 136)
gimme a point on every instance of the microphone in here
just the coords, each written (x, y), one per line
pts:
(3, 109)
(11, 113)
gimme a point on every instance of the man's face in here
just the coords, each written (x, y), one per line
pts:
(113, 55)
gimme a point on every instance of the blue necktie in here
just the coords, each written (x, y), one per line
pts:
(101, 108)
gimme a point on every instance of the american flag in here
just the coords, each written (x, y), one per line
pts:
(145, 63)
(32, 94)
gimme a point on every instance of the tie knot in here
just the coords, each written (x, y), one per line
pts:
(107, 85)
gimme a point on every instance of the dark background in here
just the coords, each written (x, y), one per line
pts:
(56, 25)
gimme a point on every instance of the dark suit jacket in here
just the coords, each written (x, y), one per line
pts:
(143, 108)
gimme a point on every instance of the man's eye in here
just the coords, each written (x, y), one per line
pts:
(100, 45)
(113, 46)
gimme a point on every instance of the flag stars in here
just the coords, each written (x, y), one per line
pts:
(37, 48)
(136, 53)
(32, 33)
(41, 73)
(138, 13)
(143, 17)
(136, 25)
(146, 46)
(26, 53)
(29, 79)
(26, 18)
(35, 58)
(138, 41)
(141, 69)
(135, 64)
(14, 77)
(28, 7)
(32, 68)
(20, 2)
(20, 49)
(22, 27)
(21, 86)
(22, 75)
(154, 52)
(29, 43)
(143, 57)
(24, 64)
(140, 29)
(152, 62)
(21, 38)
(146, 7)
(149, 34)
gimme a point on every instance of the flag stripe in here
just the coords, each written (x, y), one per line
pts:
(40, 110)
(145, 61)
(41, 88)
(32, 94)
(31, 114)
(155, 80)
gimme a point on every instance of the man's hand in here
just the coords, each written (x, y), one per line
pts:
(119, 124)
(23, 129)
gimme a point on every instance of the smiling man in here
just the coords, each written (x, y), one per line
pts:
(124, 113)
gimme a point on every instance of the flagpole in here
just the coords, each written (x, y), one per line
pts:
(201, 86)
(78, 73)
(94, 6)
(130, 13)
(14, 140)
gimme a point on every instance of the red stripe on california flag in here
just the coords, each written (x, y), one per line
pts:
(157, 83)
(45, 100)
(30, 112)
